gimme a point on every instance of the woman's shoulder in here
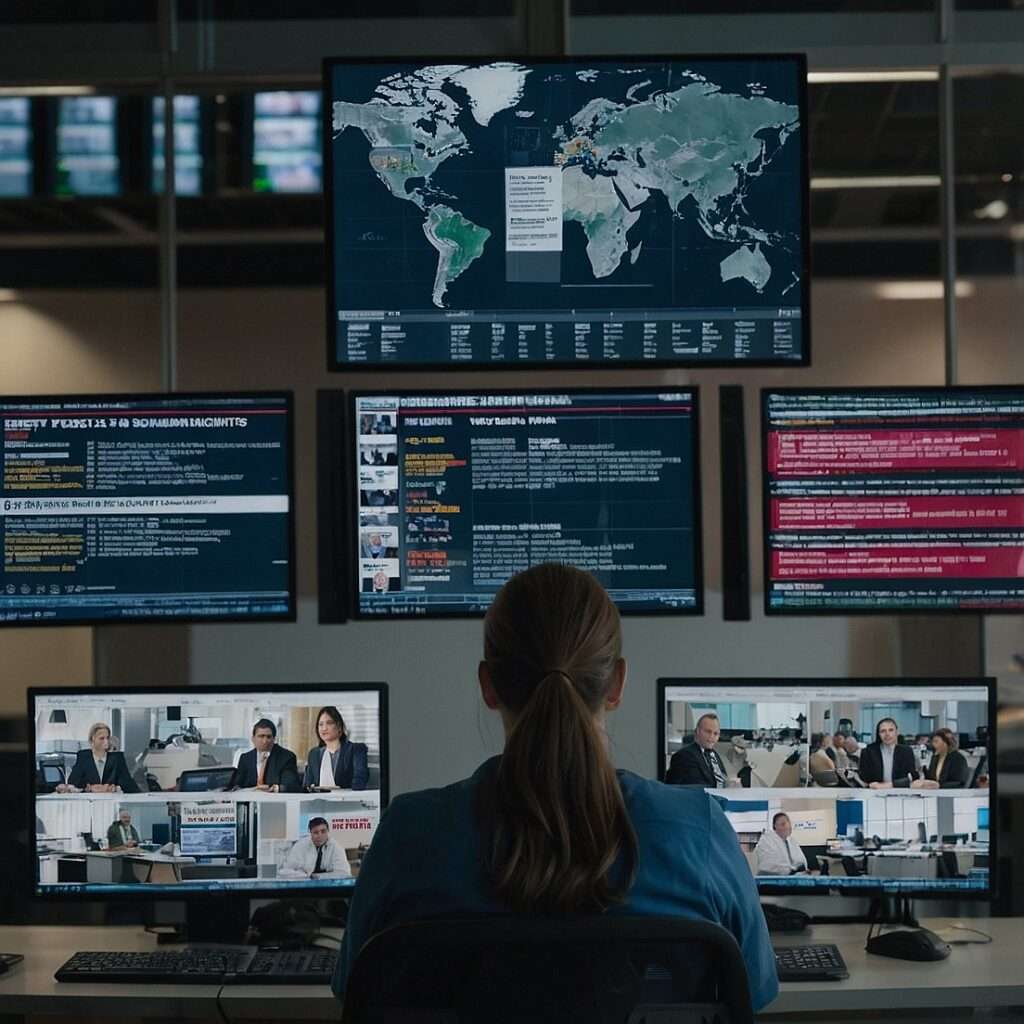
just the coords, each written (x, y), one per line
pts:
(689, 805)
(456, 800)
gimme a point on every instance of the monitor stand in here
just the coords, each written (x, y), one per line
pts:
(882, 910)
(223, 920)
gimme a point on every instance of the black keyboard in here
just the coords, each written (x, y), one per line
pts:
(226, 965)
(821, 962)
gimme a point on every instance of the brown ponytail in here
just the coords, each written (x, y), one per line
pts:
(554, 813)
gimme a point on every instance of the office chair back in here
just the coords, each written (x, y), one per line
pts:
(605, 969)
(851, 867)
(947, 866)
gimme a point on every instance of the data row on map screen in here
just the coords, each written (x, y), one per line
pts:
(894, 499)
(120, 508)
(452, 493)
(560, 212)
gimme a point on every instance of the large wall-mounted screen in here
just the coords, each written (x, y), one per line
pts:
(855, 786)
(894, 499)
(127, 508)
(589, 211)
(454, 492)
(15, 147)
(286, 149)
(188, 148)
(88, 163)
(158, 792)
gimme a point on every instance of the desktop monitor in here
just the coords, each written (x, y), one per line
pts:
(786, 776)
(248, 839)
(146, 508)
(573, 211)
(451, 493)
(893, 500)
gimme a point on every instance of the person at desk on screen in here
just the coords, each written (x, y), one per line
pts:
(948, 767)
(698, 763)
(316, 855)
(122, 834)
(99, 769)
(777, 853)
(337, 763)
(549, 826)
(268, 766)
(886, 764)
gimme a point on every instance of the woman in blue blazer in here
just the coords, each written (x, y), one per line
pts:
(348, 768)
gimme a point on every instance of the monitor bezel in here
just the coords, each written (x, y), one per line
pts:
(231, 689)
(335, 365)
(351, 470)
(144, 620)
(780, 888)
(766, 499)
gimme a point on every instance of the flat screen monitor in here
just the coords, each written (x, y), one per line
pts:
(205, 780)
(134, 508)
(819, 803)
(188, 148)
(287, 150)
(140, 827)
(87, 146)
(15, 147)
(453, 492)
(893, 500)
(585, 211)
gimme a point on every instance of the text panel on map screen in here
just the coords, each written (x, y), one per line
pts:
(594, 211)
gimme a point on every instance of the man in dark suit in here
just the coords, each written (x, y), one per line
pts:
(886, 764)
(122, 833)
(698, 764)
(267, 766)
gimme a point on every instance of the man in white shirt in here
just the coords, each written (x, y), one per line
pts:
(316, 855)
(776, 853)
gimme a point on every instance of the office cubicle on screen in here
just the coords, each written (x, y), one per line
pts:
(806, 750)
(202, 815)
(135, 508)
(451, 493)
(579, 211)
(893, 500)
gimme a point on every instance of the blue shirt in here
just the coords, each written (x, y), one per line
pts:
(426, 860)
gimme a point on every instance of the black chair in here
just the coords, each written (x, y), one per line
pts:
(947, 866)
(499, 969)
(851, 867)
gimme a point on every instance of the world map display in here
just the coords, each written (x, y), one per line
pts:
(506, 186)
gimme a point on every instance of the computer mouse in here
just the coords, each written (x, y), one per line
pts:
(909, 944)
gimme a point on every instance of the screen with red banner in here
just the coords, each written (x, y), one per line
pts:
(887, 500)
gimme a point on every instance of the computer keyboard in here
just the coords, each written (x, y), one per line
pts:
(820, 962)
(197, 965)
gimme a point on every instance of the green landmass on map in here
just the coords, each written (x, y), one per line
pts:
(458, 242)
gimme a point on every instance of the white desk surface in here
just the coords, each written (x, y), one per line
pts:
(975, 975)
